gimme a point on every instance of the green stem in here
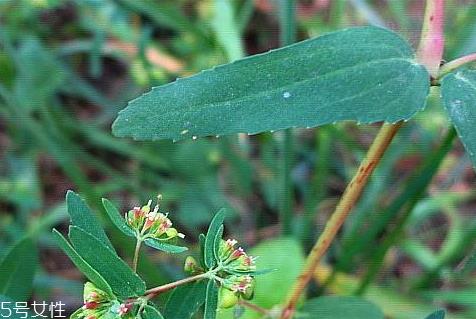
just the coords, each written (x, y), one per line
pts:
(453, 65)
(349, 198)
(136, 255)
(287, 21)
(419, 184)
(151, 293)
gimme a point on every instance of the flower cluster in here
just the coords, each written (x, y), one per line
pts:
(151, 223)
(98, 304)
(234, 258)
(239, 266)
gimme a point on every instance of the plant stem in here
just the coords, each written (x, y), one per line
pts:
(430, 54)
(430, 48)
(151, 293)
(136, 255)
(456, 63)
(253, 307)
(347, 202)
(287, 21)
(416, 188)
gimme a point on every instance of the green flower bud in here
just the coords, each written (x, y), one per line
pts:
(250, 290)
(171, 233)
(227, 298)
(191, 266)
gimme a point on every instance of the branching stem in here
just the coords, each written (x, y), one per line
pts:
(151, 293)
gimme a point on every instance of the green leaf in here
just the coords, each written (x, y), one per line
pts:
(84, 218)
(151, 312)
(168, 248)
(458, 91)
(365, 74)
(185, 300)
(211, 300)
(17, 270)
(212, 234)
(336, 307)
(116, 218)
(439, 314)
(287, 257)
(123, 281)
(81, 264)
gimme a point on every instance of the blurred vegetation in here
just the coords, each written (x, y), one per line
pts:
(68, 67)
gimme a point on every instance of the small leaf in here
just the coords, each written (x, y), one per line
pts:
(168, 248)
(212, 234)
(123, 281)
(151, 312)
(116, 218)
(84, 218)
(336, 307)
(458, 91)
(217, 241)
(17, 270)
(366, 74)
(211, 300)
(81, 264)
(185, 300)
(439, 314)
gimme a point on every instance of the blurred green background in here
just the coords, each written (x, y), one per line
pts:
(68, 67)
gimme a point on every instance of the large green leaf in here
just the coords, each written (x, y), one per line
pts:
(185, 300)
(458, 91)
(84, 218)
(287, 257)
(365, 74)
(82, 265)
(123, 281)
(336, 307)
(17, 270)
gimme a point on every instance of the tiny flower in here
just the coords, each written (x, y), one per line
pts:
(238, 284)
(124, 309)
(93, 295)
(226, 248)
(151, 223)
(243, 263)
